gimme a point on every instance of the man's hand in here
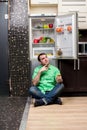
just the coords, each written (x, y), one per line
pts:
(44, 68)
(59, 79)
(37, 78)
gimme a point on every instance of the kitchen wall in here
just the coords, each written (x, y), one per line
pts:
(19, 68)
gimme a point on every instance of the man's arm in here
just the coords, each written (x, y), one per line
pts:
(35, 81)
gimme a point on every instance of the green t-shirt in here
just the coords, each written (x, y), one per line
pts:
(47, 78)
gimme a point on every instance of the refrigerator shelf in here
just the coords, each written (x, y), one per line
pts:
(43, 45)
(42, 29)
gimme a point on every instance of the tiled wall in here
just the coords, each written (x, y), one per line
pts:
(19, 68)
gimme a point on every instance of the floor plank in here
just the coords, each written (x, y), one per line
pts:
(72, 115)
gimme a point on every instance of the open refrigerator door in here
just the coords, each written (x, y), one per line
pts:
(66, 32)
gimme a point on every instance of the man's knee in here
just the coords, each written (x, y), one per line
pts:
(62, 86)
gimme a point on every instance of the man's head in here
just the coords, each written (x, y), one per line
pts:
(42, 57)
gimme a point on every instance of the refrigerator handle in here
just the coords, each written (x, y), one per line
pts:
(78, 64)
(74, 64)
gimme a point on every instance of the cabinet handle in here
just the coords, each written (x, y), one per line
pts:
(74, 64)
(59, 65)
(78, 64)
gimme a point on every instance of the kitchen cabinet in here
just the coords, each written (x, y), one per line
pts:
(82, 75)
(82, 20)
(43, 7)
(67, 68)
(43, 2)
(74, 74)
(72, 6)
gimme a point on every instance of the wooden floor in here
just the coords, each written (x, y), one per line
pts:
(72, 115)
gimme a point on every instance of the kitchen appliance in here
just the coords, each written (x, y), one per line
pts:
(55, 35)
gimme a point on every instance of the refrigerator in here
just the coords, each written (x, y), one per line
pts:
(57, 36)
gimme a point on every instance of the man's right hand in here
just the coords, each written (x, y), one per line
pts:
(44, 68)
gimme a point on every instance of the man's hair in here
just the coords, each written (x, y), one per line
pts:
(41, 55)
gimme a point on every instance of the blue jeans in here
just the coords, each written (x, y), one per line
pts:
(49, 96)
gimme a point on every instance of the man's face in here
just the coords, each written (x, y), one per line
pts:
(44, 60)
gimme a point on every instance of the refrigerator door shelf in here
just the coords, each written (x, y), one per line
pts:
(67, 35)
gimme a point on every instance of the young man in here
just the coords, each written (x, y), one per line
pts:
(47, 83)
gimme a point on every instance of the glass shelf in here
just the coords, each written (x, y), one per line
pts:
(41, 29)
(43, 45)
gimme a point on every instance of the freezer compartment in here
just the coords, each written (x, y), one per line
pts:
(49, 51)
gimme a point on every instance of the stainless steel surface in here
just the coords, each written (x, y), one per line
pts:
(74, 64)
(78, 64)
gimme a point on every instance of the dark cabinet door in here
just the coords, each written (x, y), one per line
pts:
(4, 88)
(69, 73)
(82, 75)
(74, 74)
